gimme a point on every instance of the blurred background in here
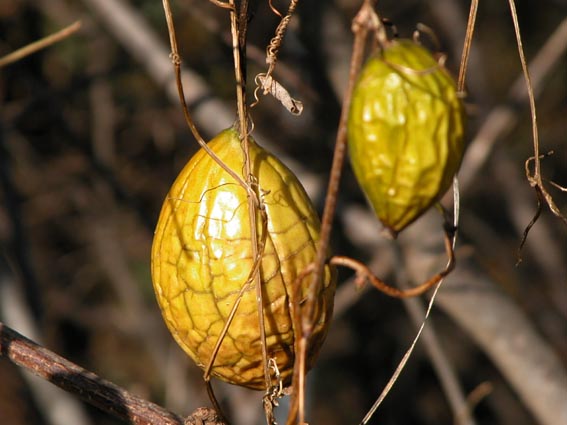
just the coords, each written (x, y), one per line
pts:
(92, 135)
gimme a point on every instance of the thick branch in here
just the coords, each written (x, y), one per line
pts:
(86, 385)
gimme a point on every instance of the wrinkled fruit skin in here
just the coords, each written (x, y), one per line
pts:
(202, 258)
(405, 131)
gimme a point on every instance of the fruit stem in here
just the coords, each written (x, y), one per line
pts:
(238, 35)
(362, 23)
(364, 20)
(176, 60)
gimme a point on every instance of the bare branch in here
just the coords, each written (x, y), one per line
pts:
(94, 390)
(57, 407)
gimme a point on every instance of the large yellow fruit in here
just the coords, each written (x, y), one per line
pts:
(202, 256)
(405, 131)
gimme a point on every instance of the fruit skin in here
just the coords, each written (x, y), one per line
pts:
(405, 132)
(202, 257)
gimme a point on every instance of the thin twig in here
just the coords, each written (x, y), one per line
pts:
(442, 364)
(406, 356)
(40, 44)
(275, 43)
(531, 97)
(254, 201)
(402, 363)
(176, 60)
(502, 118)
(131, 30)
(364, 273)
(545, 247)
(265, 80)
(440, 361)
(467, 46)
(238, 29)
(534, 179)
(360, 28)
(362, 23)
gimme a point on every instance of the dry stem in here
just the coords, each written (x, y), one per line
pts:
(363, 274)
(254, 202)
(40, 44)
(361, 25)
(534, 179)
(467, 46)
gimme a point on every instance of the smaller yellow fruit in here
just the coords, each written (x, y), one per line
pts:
(406, 132)
(202, 256)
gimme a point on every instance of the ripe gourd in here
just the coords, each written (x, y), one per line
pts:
(405, 131)
(202, 256)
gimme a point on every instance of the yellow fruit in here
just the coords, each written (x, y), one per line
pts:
(406, 132)
(202, 256)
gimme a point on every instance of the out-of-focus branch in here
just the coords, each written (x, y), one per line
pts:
(496, 323)
(133, 32)
(57, 407)
(135, 317)
(505, 334)
(137, 37)
(39, 44)
(444, 368)
(544, 244)
(94, 390)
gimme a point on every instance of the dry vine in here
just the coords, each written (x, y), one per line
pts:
(534, 177)
(274, 88)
